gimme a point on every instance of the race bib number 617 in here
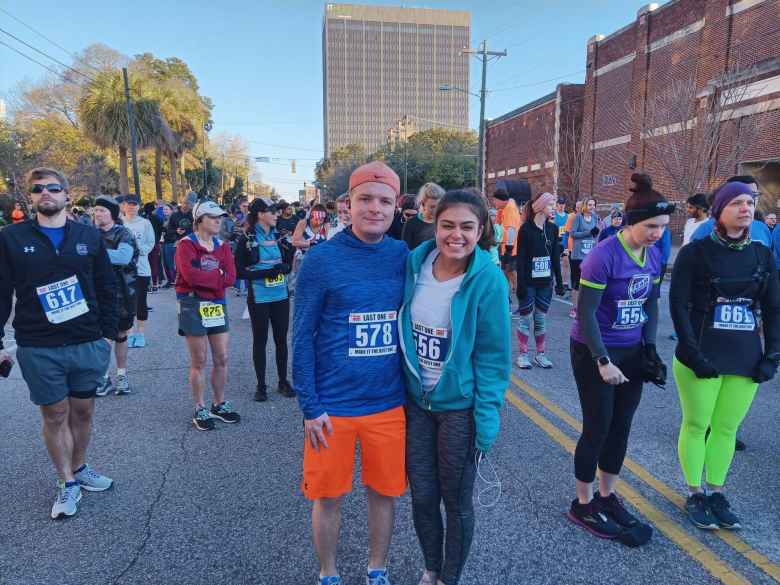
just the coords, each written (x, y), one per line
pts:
(373, 334)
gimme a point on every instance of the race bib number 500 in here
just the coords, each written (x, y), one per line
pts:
(373, 334)
(62, 300)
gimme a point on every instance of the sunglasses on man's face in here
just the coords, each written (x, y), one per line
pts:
(51, 188)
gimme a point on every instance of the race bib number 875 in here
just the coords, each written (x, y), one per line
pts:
(373, 334)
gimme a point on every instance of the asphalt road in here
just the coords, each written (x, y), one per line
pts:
(224, 507)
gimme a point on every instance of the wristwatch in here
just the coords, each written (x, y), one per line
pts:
(602, 361)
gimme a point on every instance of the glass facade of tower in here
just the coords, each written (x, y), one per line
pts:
(383, 63)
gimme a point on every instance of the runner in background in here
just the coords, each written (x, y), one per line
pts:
(510, 220)
(615, 225)
(155, 255)
(420, 228)
(612, 353)
(122, 250)
(343, 219)
(583, 234)
(697, 215)
(259, 260)
(720, 284)
(144, 238)
(538, 260)
(205, 270)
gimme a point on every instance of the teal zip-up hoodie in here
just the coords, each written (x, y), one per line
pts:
(477, 369)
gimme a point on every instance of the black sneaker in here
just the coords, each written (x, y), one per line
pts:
(285, 389)
(615, 509)
(698, 509)
(168, 285)
(721, 510)
(224, 412)
(739, 445)
(593, 519)
(261, 395)
(202, 420)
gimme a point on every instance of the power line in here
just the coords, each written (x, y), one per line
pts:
(538, 82)
(26, 44)
(52, 41)
(57, 73)
(286, 147)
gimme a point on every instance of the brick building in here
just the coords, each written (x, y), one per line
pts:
(684, 78)
(538, 142)
(655, 94)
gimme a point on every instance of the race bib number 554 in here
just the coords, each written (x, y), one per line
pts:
(373, 334)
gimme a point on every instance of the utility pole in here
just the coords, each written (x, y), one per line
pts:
(207, 127)
(131, 122)
(484, 53)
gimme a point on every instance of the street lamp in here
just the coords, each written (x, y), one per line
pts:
(448, 87)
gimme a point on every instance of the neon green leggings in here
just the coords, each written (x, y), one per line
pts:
(719, 403)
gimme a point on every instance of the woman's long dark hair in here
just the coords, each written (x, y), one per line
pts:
(477, 206)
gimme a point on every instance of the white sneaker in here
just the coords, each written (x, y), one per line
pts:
(542, 361)
(522, 362)
(92, 481)
(122, 385)
(67, 502)
(426, 579)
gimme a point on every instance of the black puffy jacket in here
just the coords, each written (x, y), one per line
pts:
(125, 273)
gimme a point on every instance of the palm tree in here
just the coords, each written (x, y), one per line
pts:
(103, 113)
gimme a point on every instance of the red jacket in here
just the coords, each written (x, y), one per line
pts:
(207, 274)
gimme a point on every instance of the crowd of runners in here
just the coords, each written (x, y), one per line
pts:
(400, 315)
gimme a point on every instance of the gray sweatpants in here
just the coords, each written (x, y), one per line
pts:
(440, 465)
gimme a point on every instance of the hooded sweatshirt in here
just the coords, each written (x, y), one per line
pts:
(346, 360)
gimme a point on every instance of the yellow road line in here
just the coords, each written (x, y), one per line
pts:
(730, 538)
(717, 567)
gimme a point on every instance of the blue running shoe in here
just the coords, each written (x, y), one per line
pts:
(377, 577)
(330, 580)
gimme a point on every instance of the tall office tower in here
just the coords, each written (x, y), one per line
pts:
(383, 66)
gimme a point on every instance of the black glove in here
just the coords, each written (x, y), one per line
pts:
(703, 368)
(765, 370)
(283, 268)
(560, 290)
(594, 232)
(653, 368)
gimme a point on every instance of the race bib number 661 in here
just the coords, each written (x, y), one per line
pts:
(373, 334)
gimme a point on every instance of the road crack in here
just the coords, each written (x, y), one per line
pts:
(151, 510)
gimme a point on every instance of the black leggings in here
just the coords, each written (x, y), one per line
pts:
(141, 289)
(440, 466)
(278, 314)
(607, 411)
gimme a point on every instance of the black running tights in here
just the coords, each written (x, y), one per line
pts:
(607, 411)
(277, 314)
(440, 465)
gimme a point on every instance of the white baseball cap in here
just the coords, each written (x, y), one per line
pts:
(207, 208)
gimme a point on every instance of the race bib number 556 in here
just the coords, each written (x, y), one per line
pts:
(373, 334)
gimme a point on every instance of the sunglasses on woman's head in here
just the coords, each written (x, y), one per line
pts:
(51, 188)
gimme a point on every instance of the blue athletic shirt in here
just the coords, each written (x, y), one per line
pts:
(56, 235)
(346, 355)
(272, 289)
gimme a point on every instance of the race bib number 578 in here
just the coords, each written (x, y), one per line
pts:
(373, 334)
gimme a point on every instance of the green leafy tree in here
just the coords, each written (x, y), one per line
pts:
(333, 173)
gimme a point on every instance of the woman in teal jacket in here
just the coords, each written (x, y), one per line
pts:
(456, 340)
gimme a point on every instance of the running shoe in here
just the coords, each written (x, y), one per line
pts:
(168, 285)
(202, 420)
(614, 508)
(131, 339)
(261, 395)
(140, 340)
(523, 362)
(104, 387)
(330, 580)
(739, 445)
(721, 509)
(427, 579)
(573, 313)
(68, 498)
(91, 480)
(224, 412)
(285, 389)
(593, 519)
(122, 385)
(699, 512)
(377, 577)
(542, 361)
(154, 289)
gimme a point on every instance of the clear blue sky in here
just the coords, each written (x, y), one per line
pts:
(261, 61)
